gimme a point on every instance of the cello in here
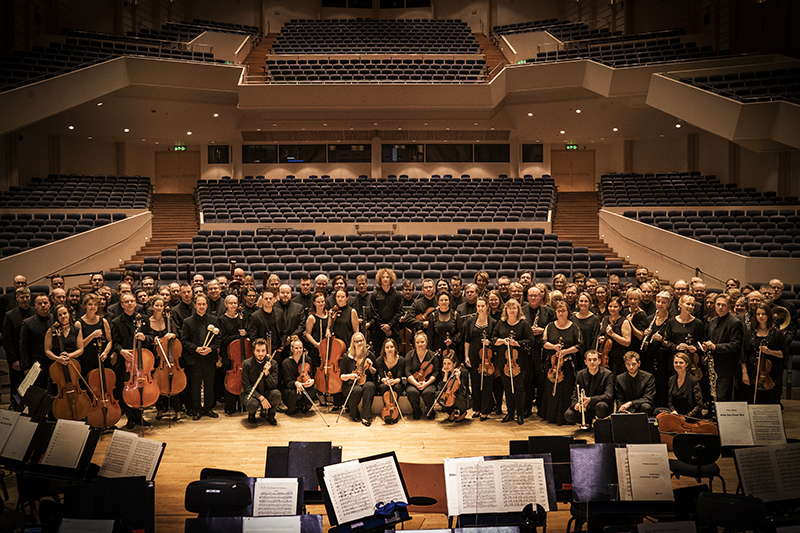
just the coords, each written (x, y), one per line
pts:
(140, 391)
(71, 402)
(170, 376)
(327, 376)
(105, 412)
(237, 353)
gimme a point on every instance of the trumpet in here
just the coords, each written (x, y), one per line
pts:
(581, 400)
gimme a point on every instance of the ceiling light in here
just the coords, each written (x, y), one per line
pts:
(562, 132)
(72, 127)
(677, 125)
(530, 114)
(374, 123)
(216, 115)
(144, 140)
(474, 123)
(274, 124)
(325, 124)
(126, 130)
(577, 110)
(99, 104)
(614, 129)
(188, 133)
(89, 138)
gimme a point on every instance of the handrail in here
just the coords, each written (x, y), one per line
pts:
(513, 51)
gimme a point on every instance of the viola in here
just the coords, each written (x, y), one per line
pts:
(608, 344)
(405, 340)
(71, 402)
(425, 369)
(486, 366)
(391, 410)
(105, 411)
(327, 375)
(237, 353)
(555, 374)
(511, 369)
(170, 375)
(694, 367)
(303, 369)
(765, 381)
(670, 424)
(422, 317)
(140, 390)
(361, 369)
(452, 385)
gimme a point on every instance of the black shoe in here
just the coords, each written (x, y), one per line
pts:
(281, 408)
(366, 422)
(476, 414)
(355, 418)
(498, 411)
(416, 416)
(431, 415)
(520, 420)
(527, 413)
(211, 414)
(197, 416)
(271, 420)
(251, 418)
(508, 418)
(130, 425)
(144, 423)
(263, 413)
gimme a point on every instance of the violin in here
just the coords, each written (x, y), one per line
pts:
(422, 317)
(486, 366)
(448, 397)
(391, 410)
(425, 369)
(237, 353)
(405, 340)
(765, 381)
(670, 424)
(304, 369)
(555, 374)
(327, 375)
(694, 368)
(105, 411)
(140, 391)
(71, 402)
(448, 350)
(511, 368)
(170, 376)
(607, 344)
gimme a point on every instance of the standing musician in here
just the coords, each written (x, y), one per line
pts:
(232, 329)
(656, 355)
(481, 282)
(565, 336)
(648, 303)
(601, 302)
(725, 335)
(444, 331)
(316, 327)
(512, 373)
(422, 306)
(216, 301)
(250, 296)
(289, 317)
(617, 329)
(421, 388)
(304, 296)
(184, 309)
(70, 332)
(495, 304)
(386, 306)
(357, 373)
(156, 326)
(635, 389)
(468, 306)
(263, 322)
(683, 328)
(588, 323)
(260, 384)
(12, 328)
(765, 339)
(339, 284)
(31, 339)
(453, 384)
(539, 314)
(346, 322)
(122, 333)
(201, 356)
(391, 372)
(294, 396)
(477, 333)
(456, 293)
(597, 384)
(636, 318)
(361, 303)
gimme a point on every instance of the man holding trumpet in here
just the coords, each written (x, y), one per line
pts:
(595, 387)
(200, 347)
(260, 384)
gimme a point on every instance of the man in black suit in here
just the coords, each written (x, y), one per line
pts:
(597, 384)
(31, 339)
(725, 334)
(538, 316)
(8, 300)
(635, 389)
(288, 316)
(12, 327)
(262, 323)
(123, 335)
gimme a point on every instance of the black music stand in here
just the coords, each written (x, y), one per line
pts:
(301, 460)
(309, 523)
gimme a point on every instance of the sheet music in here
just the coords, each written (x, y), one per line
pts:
(273, 524)
(650, 474)
(275, 497)
(129, 455)
(20, 439)
(771, 473)
(66, 444)
(733, 419)
(73, 525)
(623, 474)
(30, 377)
(767, 424)
(7, 421)
(384, 480)
(347, 487)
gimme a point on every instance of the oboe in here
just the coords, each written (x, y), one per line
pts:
(646, 339)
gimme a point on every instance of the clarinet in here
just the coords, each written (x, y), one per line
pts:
(260, 375)
(646, 339)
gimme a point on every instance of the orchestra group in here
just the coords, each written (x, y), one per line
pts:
(570, 352)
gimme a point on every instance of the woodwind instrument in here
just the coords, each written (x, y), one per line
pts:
(646, 339)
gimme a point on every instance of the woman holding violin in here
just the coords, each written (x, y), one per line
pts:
(615, 336)
(479, 358)
(357, 378)
(656, 355)
(512, 339)
(94, 329)
(765, 351)
(156, 327)
(684, 396)
(454, 393)
(232, 330)
(296, 375)
(562, 341)
(589, 325)
(443, 332)
(316, 326)
(422, 371)
(684, 333)
(391, 371)
(70, 346)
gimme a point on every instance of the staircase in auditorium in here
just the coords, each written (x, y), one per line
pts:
(493, 55)
(575, 218)
(174, 220)
(256, 59)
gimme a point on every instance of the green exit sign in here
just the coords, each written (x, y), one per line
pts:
(572, 147)
(179, 148)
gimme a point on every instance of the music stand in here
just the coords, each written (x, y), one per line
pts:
(301, 460)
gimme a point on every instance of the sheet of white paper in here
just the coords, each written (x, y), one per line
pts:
(275, 497)
(623, 474)
(733, 419)
(271, 524)
(650, 474)
(66, 443)
(17, 444)
(767, 423)
(128, 455)
(7, 421)
(771, 473)
(349, 491)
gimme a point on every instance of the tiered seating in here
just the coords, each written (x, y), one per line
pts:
(578, 33)
(680, 188)
(290, 253)
(23, 231)
(79, 192)
(359, 200)
(367, 36)
(526, 27)
(754, 85)
(754, 232)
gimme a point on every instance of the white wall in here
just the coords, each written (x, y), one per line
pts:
(609, 157)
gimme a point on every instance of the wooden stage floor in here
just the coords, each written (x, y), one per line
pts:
(230, 442)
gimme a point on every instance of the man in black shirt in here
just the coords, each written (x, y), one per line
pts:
(635, 389)
(362, 304)
(261, 372)
(262, 324)
(597, 384)
(725, 333)
(31, 339)
(421, 306)
(12, 327)
(288, 316)
(123, 334)
(386, 306)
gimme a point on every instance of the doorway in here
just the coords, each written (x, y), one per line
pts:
(176, 172)
(573, 170)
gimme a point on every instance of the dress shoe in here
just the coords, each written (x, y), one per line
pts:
(159, 415)
(281, 407)
(416, 416)
(251, 418)
(197, 416)
(130, 425)
(211, 414)
(520, 420)
(144, 423)
(271, 420)
(306, 408)
(263, 413)
(366, 422)
(484, 418)
(476, 414)
(508, 418)
(431, 415)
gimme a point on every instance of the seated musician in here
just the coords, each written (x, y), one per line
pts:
(684, 396)
(421, 388)
(454, 398)
(297, 394)
(357, 365)
(597, 384)
(635, 389)
(260, 372)
(391, 369)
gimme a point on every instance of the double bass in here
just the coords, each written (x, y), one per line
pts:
(237, 353)
(71, 402)
(105, 411)
(327, 377)
(170, 376)
(140, 391)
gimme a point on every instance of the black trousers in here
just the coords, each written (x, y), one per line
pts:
(202, 377)
(363, 394)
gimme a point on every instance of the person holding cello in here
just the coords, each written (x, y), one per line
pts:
(454, 393)
(200, 349)
(391, 372)
(260, 384)
(156, 326)
(298, 390)
(357, 373)
(94, 328)
(562, 344)
(478, 358)
(765, 353)
(124, 333)
(422, 372)
(72, 338)
(232, 330)
(512, 339)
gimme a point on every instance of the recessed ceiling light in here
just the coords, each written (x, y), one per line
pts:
(144, 140)
(425, 124)
(491, 129)
(89, 138)
(71, 127)
(474, 123)
(374, 123)
(99, 104)
(530, 114)
(577, 110)
(447, 129)
(216, 115)
(274, 124)
(325, 124)
(399, 128)
(188, 133)
(156, 142)
(562, 132)
(258, 129)
(677, 125)
(614, 129)
(126, 130)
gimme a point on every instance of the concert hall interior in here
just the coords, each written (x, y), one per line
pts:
(625, 173)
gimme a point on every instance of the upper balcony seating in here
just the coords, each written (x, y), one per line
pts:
(79, 192)
(754, 85)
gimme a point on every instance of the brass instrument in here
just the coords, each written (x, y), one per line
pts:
(581, 399)
(782, 317)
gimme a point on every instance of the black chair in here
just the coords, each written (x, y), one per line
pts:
(696, 455)
(731, 511)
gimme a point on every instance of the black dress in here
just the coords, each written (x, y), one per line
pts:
(555, 406)
(590, 330)
(524, 336)
(774, 340)
(687, 399)
(88, 359)
(482, 398)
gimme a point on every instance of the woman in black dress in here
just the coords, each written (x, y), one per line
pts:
(565, 335)
(765, 338)
(589, 324)
(345, 322)
(656, 355)
(231, 325)
(391, 372)
(156, 326)
(443, 325)
(477, 334)
(684, 333)
(316, 326)
(512, 333)
(683, 396)
(616, 328)
(96, 334)
(69, 347)
(357, 366)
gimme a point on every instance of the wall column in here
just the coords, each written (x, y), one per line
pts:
(693, 152)
(515, 154)
(733, 163)
(627, 156)
(377, 163)
(54, 154)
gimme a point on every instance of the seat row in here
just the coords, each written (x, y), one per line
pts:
(753, 85)
(79, 192)
(21, 233)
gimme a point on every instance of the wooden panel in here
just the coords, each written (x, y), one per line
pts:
(176, 172)
(573, 170)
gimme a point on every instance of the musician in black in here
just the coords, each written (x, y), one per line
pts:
(724, 344)
(538, 315)
(386, 307)
(12, 327)
(597, 385)
(260, 384)
(294, 396)
(635, 389)
(123, 334)
(201, 356)
(421, 306)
